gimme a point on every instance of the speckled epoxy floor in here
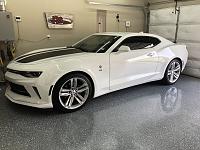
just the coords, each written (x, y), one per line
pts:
(144, 117)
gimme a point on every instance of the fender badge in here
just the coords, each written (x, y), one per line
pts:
(100, 68)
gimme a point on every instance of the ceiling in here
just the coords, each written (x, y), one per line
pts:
(166, 1)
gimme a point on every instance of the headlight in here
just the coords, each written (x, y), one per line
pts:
(28, 74)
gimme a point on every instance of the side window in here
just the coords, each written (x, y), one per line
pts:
(139, 42)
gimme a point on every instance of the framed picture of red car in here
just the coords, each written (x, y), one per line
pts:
(59, 20)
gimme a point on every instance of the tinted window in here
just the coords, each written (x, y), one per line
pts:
(97, 43)
(140, 42)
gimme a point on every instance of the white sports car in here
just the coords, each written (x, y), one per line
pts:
(65, 78)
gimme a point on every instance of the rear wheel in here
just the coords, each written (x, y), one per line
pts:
(172, 72)
(71, 92)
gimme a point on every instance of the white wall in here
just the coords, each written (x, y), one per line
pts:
(33, 26)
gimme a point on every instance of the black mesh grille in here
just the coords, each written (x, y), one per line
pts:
(19, 89)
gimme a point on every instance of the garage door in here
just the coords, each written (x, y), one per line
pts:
(163, 22)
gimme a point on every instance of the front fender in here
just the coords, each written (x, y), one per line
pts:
(63, 73)
(90, 66)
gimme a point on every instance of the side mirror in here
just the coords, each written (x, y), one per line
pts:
(124, 49)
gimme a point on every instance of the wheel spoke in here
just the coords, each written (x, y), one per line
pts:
(67, 102)
(176, 75)
(173, 65)
(83, 88)
(78, 100)
(172, 77)
(70, 101)
(177, 68)
(65, 92)
(73, 82)
(169, 72)
(80, 97)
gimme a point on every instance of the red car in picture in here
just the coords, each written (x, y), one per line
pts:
(60, 20)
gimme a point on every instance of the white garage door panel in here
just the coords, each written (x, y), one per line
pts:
(190, 14)
(162, 22)
(193, 64)
(165, 31)
(194, 51)
(192, 71)
(189, 32)
(162, 16)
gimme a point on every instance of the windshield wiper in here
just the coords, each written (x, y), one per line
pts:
(76, 48)
(70, 46)
(80, 48)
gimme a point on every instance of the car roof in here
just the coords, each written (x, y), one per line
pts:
(114, 33)
(128, 34)
(125, 33)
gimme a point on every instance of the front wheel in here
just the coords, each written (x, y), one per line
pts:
(172, 72)
(71, 92)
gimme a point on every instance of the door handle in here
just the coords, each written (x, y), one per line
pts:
(151, 54)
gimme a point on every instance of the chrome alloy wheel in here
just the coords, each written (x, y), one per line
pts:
(174, 71)
(74, 93)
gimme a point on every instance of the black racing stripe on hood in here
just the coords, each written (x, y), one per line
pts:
(46, 55)
(26, 55)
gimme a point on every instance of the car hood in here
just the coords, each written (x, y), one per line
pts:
(45, 55)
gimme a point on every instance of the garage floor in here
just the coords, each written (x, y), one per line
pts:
(144, 117)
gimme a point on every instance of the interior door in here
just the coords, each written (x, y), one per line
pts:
(133, 67)
(101, 21)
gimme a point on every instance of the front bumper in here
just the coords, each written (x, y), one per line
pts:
(18, 99)
(39, 98)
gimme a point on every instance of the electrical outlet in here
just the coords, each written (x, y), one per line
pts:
(128, 23)
(18, 18)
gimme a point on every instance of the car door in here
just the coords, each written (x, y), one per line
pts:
(135, 66)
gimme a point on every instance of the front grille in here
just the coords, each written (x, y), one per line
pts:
(19, 89)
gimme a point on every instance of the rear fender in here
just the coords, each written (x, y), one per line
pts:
(167, 54)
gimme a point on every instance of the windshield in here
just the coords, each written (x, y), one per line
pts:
(96, 43)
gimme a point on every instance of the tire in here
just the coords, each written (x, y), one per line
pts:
(172, 72)
(71, 92)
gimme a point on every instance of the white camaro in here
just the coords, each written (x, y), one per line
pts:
(65, 78)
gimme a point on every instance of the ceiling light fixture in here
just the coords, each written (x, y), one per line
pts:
(109, 4)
